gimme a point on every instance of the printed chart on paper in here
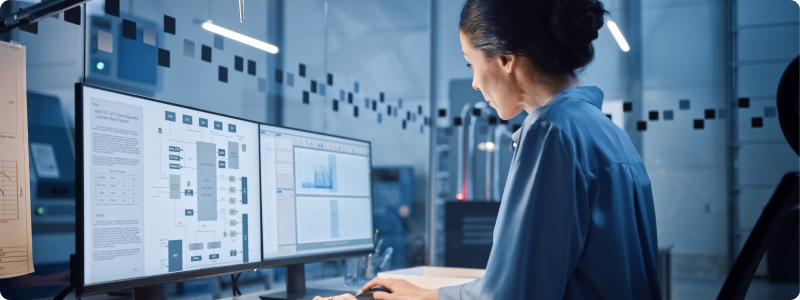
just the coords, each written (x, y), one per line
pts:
(16, 255)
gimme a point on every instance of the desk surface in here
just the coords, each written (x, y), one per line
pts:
(336, 283)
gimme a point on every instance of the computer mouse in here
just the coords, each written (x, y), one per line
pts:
(368, 294)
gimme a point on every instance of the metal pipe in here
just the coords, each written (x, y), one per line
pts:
(241, 11)
(499, 132)
(461, 148)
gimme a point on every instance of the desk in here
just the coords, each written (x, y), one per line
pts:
(425, 277)
(336, 283)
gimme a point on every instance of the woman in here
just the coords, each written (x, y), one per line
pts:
(576, 219)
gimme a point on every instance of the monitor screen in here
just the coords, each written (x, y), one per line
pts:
(316, 194)
(166, 188)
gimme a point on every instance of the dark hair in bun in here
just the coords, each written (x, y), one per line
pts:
(556, 35)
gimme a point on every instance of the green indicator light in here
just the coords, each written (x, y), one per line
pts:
(101, 65)
(40, 210)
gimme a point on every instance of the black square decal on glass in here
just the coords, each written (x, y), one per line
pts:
(355, 111)
(699, 123)
(744, 102)
(442, 112)
(314, 86)
(457, 121)
(381, 97)
(653, 115)
(330, 79)
(374, 105)
(492, 120)
(350, 98)
(163, 57)
(627, 106)
(425, 121)
(223, 74)
(251, 67)
(515, 127)
(278, 76)
(335, 105)
(302, 70)
(305, 97)
(503, 121)
(112, 7)
(609, 117)
(711, 114)
(205, 53)
(757, 122)
(128, 29)
(30, 28)
(169, 24)
(408, 115)
(419, 109)
(389, 110)
(683, 104)
(668, 115)
(73, 15)
(641, 125)
(770, 112)
(404, 124)
(238, 63)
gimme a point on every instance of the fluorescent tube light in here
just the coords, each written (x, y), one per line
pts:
(239, 37)
(618, 36)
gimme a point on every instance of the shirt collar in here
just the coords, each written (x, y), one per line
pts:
(591, 94)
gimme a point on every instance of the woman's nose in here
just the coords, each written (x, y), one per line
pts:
(475, 86)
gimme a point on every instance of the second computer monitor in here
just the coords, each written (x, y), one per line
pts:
(316, 194)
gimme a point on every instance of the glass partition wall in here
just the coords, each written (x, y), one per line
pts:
(358, 69)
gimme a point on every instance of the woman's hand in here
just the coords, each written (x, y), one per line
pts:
(401, 290)
(340, 297)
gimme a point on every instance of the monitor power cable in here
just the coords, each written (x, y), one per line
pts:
(234, 286)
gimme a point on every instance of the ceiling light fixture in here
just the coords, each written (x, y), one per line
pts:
(208, 25)
(618, 36)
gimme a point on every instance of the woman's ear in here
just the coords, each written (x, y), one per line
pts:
(508, 62)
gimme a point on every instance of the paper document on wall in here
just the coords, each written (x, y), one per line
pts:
(16, 255)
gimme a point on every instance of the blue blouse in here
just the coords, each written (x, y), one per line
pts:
(576, 219)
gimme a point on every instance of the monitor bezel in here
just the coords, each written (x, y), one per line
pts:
(77, 277)
(279, 262)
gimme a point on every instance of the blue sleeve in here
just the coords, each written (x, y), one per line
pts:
(467, 291)
(543, 221)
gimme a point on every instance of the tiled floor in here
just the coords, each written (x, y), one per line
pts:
(703, 288)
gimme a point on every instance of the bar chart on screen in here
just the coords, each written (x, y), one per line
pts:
(320, 172)
(9, 208)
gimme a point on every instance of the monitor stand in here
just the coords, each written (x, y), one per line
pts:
(296, 287)
(154, 292)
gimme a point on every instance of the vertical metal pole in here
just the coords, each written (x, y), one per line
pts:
(275, 25)
(635, 88)
(432, 198)
(732, 141)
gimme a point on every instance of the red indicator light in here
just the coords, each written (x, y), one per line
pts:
(460, 196)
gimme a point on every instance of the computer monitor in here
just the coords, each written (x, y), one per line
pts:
(166, 193)
(316, 201)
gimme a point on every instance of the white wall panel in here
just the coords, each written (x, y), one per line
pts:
(760, 80)
(761, 12)
(765, 164)
(772, 43)
(751, 204)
